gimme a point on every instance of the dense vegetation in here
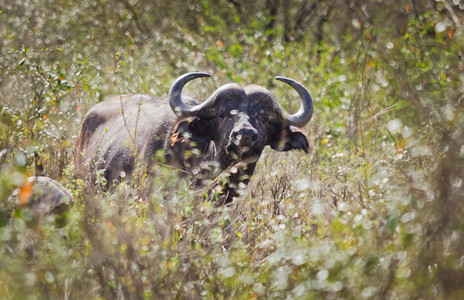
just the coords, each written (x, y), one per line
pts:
(373, 211)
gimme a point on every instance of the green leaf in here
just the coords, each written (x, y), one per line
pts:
(390, 227)
(21, 62)
(401, 104)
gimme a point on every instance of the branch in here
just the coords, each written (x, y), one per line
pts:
(132, 10)
(237, 5)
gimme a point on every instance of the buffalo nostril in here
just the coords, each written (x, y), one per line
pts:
(244, 137)
(250, 134)
(237, 138)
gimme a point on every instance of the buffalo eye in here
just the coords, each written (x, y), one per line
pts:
(263, 118)
(222, 116)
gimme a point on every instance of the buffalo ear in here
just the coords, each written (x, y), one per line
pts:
(196, 130)
(199, 126)
(289, 138)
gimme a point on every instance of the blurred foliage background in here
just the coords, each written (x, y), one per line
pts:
(374, 211)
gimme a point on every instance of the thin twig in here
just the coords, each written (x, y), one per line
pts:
(452, 13)
(124, 119)
(137, 122)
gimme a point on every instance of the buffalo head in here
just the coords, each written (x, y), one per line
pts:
(234, 125)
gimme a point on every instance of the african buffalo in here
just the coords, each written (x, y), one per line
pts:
(228, 131)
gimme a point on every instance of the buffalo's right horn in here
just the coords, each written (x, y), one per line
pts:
(304, 114)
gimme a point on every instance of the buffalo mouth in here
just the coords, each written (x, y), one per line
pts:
(236, 152)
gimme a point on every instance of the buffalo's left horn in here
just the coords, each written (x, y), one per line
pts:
(175, 96)
(304, 114)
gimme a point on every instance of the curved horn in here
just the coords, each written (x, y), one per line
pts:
(304, 114)
(175, 98)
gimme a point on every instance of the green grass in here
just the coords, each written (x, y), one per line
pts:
(373, 211)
